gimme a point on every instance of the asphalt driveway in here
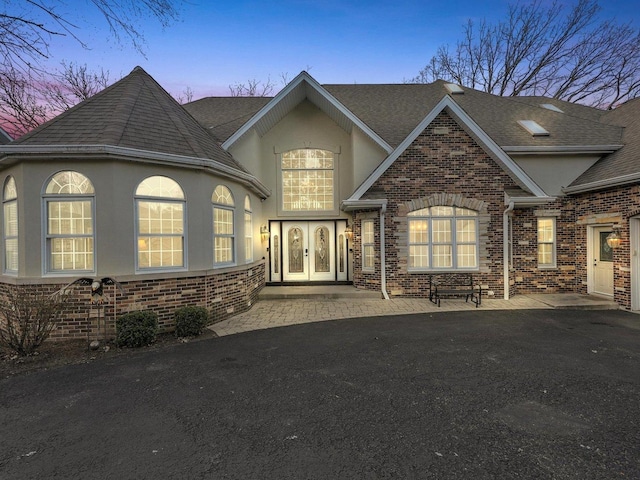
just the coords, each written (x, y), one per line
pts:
(548, 394)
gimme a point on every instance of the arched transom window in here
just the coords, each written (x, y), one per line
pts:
(443, 237)
(10, 212)
(160, 208)
(307, 180)
(69, 206)
(223, 228)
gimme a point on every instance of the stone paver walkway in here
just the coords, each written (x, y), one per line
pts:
(283, 312)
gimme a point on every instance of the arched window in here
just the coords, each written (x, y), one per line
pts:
(307, 180)
(69, 205)
(443, 237)
(10, 211)
(223, 230)
(160, 209)
(248, 230)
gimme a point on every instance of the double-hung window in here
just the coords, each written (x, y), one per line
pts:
(160, 221)
(10, 213)
(223, 228)
(546, 242)
(368, 246)
(69, 210)
(443, 238)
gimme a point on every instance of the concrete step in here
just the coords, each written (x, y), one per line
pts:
(575, 301)
(313, 292)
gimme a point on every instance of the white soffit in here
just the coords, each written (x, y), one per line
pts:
(534, 128)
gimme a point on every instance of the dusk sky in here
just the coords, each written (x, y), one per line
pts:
(215, 44)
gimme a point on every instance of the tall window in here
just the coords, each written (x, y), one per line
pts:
(248, 230)
(223, 231)
(443, 237)
(307, 180)
(368, 246)
(546, 242)
(160, 222)
(10, 210)
(69, 204)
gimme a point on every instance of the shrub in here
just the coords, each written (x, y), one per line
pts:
(28, 319)
(136, 329)
(190, 321)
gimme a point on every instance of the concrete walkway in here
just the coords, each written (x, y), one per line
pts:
(283, 306)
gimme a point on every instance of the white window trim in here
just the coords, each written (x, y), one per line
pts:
(248, 235)
(365, 244)
(46, 244)
(453, 243)
(553, 243)
(140, 198)
(6, 202)
(232, 208)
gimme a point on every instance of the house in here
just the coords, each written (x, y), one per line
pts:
(374, 185)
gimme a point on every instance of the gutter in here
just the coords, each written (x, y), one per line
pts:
(505, 247)
(15, 153)
(562, 150)
(600, 184)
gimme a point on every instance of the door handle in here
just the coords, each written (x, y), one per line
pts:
(306, 252)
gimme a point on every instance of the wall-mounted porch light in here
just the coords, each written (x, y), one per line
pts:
(264, 232)
(349, 233)
(613, 239)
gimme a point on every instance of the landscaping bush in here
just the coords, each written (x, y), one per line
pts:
(28, 317)
(190, 321)
(136, 329)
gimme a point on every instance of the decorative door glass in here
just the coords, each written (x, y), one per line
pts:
(296, 255)
(322, 249)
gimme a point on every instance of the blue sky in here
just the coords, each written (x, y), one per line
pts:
(215, 44)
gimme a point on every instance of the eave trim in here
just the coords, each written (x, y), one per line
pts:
(448, 102)
(600, 184)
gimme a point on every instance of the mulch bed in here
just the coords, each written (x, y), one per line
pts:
(53, 354)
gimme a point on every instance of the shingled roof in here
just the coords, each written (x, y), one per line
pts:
(626, 161)
(137, 113)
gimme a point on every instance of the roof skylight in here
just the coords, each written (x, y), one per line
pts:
(534, 128)
(454, 89)
(550, 106)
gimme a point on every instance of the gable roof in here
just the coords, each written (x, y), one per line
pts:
(474, 129)
(300, 88)
(622, 166)
(136, 113)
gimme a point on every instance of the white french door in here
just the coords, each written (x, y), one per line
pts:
(309, 251)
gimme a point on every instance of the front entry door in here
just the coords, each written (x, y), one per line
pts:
(308, 251)
(602, 262)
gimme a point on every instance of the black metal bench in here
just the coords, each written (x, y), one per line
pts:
(454, 285)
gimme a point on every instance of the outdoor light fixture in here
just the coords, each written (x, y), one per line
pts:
(349, 233)
(264, 232)
(613, 239)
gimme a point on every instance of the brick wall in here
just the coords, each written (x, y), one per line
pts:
(224, 293)
(608, 207)
(444, 163)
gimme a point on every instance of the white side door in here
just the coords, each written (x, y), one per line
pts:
(602, 262)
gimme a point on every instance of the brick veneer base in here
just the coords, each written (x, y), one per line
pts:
(224, 293)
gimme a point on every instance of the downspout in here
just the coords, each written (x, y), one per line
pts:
(505, 248)
(383, 264)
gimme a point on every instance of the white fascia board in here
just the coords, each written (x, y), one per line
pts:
(305, 77)
(350, 205)
(26, 152)
(562, 150)
(447, 101)
(530, 201)
(600, 184)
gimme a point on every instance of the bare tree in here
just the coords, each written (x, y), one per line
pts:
(567, 54)
(74, 84)
(30, 99)
(186, 96)
(28, 27)
(252, 88)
